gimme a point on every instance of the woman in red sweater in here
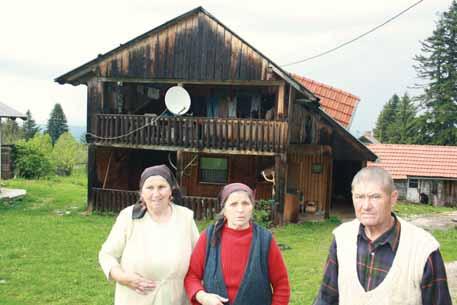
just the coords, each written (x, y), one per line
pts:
(236, 261)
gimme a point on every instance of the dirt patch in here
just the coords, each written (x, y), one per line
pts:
(441, 221)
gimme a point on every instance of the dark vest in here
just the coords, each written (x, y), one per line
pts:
(255, 287)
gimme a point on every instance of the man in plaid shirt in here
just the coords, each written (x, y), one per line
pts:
(379, 258)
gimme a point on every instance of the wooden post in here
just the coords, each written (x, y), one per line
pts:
(280, 102)
(94, 103)
(91, 177)
(290, 112)
(180, 168)
(280, 188)
(329, 184)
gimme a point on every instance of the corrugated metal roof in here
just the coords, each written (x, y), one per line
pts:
(339, 104)
(402, 160)
(8, 112)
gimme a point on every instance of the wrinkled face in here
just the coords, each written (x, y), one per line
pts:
(238, 210)
(372, 204)
(156, 193)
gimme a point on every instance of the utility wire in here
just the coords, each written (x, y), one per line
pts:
(356, 38)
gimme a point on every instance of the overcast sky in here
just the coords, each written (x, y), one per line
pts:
(41, 40)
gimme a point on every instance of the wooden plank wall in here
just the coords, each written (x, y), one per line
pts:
(450, 193)
(7, 162)
(313, 186)
(303, 126)
(195, 48)
(242, 169)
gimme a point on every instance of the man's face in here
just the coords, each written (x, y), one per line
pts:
(372, 204)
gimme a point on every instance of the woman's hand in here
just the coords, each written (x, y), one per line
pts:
(205, 298)
(132, 280)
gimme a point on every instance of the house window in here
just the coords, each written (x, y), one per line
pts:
(213, 170)
(316, 168)
(413, 183)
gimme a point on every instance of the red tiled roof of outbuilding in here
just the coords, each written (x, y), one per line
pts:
(403, 160)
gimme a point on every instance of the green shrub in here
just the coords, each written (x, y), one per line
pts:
(65, 154)
(262, 212)
(30, 161)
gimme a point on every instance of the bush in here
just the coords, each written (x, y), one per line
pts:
(66, 154)
(30, 161)
(262, 212)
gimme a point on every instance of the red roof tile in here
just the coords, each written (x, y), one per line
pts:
(340, 105)
(403, 160)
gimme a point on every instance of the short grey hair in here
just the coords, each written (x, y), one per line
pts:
(376, 175)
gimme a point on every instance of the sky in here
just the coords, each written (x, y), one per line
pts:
(41, 40)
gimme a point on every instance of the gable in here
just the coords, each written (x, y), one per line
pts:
(194, 46)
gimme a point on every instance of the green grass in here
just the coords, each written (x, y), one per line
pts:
(48, 248)
(407, 209)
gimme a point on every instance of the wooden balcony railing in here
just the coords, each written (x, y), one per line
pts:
(109, 200)
(192, 132)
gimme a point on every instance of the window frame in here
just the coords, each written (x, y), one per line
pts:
(212, 182)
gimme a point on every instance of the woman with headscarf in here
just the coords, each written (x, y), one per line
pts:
(148, 249)
(236, 261)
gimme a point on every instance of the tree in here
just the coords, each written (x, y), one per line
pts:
(404, 130)
(10, 131)
(57, 123)
(382, 131)
(65, 154)
(30, 128)
(437, 65)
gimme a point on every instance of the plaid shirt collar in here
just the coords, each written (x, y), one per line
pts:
(390, 237)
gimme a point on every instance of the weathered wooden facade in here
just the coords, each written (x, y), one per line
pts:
(247, 115)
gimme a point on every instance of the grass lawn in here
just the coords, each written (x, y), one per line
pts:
(407, 209)
(48, 249)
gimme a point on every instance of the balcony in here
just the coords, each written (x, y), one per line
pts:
(191, 133)
(110, 200)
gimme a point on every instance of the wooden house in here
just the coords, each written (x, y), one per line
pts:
(247, 116)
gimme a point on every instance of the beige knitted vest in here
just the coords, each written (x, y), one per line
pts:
(401, 285)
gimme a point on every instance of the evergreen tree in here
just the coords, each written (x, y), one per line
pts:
(403, 129)
(57, 123)
(30, 127)
(10, 131)
(382, 132)
(437, 65)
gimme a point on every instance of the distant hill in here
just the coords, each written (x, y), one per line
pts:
(76, 131)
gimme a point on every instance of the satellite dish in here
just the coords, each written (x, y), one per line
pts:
(177, 100)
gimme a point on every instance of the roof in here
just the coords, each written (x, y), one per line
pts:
(87, 67)
(8, 112)
(403, 161)
(339, 104)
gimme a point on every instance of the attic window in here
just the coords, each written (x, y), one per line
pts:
(413, 183)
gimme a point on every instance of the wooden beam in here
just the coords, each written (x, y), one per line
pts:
(291, 103)
(280, 185)
(91, 176)
(280, 102)
(329, 188)
(193, 150)
(265, 83)
(179, 166)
